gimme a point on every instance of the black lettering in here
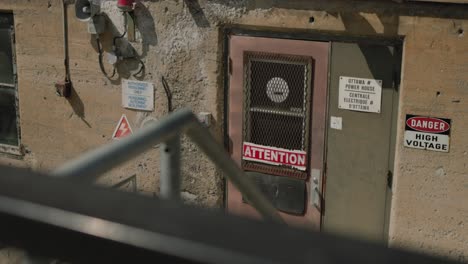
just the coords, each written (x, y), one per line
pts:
(408, 142)
(444, 147)
(418, 136)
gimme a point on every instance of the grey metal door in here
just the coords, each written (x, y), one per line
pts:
(360, 154)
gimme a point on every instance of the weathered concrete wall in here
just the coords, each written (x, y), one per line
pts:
(184, 44)
(55, 129)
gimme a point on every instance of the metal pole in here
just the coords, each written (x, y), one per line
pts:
(222, 160)
(88, 167)
(66, 59)
(170, 169)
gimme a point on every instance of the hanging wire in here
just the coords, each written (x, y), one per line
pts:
(101, 64)
(168, 94)
(114, 41)
(142, 67)
(114, 49)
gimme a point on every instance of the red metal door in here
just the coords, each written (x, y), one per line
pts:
(297, 131)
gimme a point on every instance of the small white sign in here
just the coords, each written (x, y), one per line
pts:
(427, 141)
(336, 122)
(359, 94)
(138, 95)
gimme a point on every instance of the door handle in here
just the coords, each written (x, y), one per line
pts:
(315, 196)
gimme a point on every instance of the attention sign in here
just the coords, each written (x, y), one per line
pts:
(138, 95)
(427, 133)
(275, 156)
(359, 94)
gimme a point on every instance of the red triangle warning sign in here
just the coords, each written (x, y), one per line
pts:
(122, 129)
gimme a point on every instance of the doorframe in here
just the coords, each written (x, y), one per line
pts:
(297, 34)
(279, 33)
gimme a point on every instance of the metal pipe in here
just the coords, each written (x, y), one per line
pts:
(89, 166)
(65, 40)
(169, 181)
(221, 159)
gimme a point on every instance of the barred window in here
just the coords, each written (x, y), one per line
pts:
(277, 104)
(9, 130)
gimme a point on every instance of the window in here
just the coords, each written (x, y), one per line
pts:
(9, 129)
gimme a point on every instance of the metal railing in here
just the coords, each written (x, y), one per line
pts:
(59, 221)
(167, 132)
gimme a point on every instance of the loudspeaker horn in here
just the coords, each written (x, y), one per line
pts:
(83, 10)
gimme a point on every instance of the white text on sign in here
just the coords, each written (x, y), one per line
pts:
(427, 141)
(275, 156)
(360, 94)
(138, 95)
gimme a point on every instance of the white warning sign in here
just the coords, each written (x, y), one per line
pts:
(138, 95)
(359, 94)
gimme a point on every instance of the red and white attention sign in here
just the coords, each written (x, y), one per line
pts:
(275, 156)
(122, 129)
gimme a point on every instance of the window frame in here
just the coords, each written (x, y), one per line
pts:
(6, 148)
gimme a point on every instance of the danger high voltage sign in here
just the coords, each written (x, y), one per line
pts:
(427, 133)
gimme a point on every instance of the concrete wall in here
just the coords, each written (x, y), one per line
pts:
(55, 129)
(184, 44)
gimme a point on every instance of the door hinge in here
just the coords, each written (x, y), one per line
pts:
(396, 79)
(390, 179)
(230, 66)
(228, 145)
(12, 35)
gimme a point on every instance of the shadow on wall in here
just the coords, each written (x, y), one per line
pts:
(437, 10)
(132, 64)
(77, 106)
(146, 27)
(197, 13)
(375, 54)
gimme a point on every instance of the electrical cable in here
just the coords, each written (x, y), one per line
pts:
(101, 64)
(142, 67)
(114, 49)
(114, 40)
(168, 94)
(114, 44)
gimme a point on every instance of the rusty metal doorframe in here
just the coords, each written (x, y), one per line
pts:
(319, 51)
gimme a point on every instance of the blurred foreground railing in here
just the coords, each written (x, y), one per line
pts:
(73, 222)
(90, 166)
